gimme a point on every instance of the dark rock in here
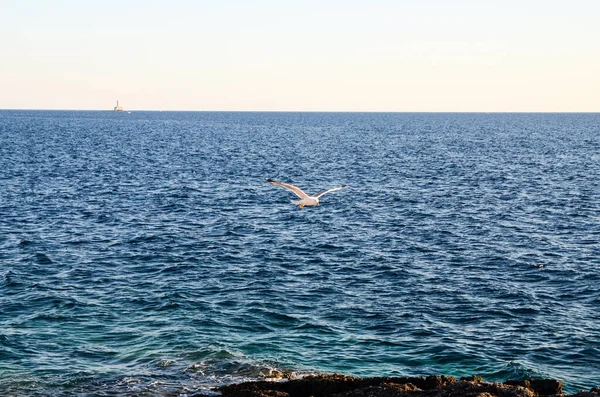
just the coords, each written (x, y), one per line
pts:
(476, 388)
(472, 378)
(319, 386)
(337, 385)
(253, 389)
(542, 387)
(595, 392)
(383, 390)
(423, 383)
(522, 383)
(546, 387)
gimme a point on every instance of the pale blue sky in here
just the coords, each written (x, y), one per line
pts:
(427, 55)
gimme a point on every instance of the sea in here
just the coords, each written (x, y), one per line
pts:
(144, 253)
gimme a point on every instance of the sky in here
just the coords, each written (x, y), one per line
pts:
(327, 55)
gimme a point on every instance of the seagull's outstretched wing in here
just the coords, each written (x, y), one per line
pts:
(329, 190)
(297, 191)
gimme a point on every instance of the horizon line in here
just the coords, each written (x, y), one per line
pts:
(308, 111)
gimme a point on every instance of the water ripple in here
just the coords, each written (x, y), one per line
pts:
(145, 254)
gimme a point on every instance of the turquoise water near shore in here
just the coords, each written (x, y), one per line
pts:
(145, 253)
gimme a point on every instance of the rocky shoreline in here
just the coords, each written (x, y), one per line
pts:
(431, 386)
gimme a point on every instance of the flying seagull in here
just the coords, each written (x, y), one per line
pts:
(306, 200)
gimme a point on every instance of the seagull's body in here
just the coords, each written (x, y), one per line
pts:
(305, 199)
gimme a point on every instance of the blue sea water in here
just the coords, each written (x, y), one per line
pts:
(145, 254)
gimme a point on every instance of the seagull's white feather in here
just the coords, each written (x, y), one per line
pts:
(306, 199)
(318, 195)
(297, 191)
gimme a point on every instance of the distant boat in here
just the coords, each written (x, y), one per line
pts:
(118, 108)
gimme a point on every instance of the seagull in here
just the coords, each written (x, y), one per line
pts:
(306, 199)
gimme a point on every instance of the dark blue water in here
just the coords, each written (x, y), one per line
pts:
(145, 253)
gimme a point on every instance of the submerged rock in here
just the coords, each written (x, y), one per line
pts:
(337, 385)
